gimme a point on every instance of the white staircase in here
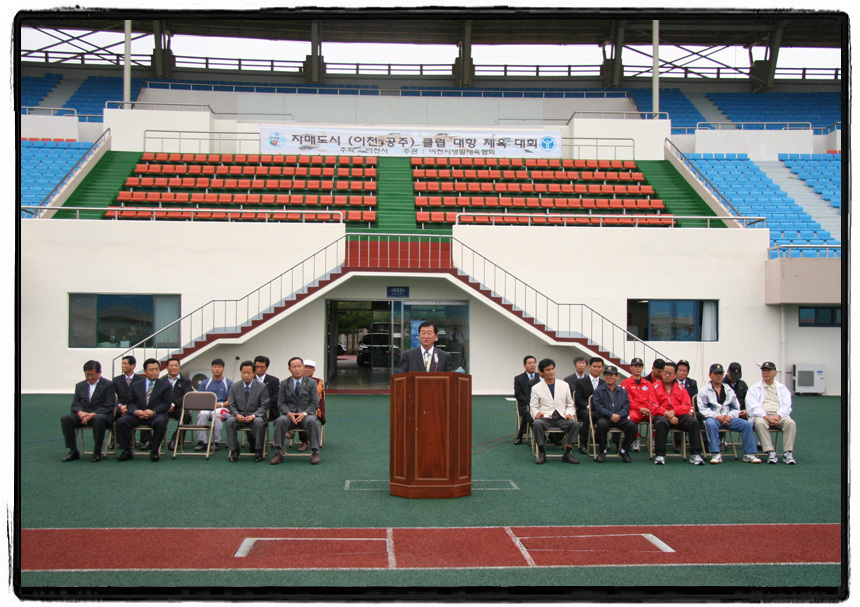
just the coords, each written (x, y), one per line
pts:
(62, 92)
(708, 109)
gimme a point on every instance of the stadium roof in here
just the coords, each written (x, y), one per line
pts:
(487, 26)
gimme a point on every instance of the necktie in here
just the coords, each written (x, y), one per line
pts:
(149, 387)
(426, 360)
(247, 392)
(297, 387)
(127, 380)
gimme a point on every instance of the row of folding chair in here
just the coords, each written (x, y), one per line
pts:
(526, 175)
(578, 219)
(254, 171)
(539, 188)
(291, 159)
(545, 202)
(567, 163)
(198, 198)
(238, 215)
(202, 183)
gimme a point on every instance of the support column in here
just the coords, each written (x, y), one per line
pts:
(314, 66)
(464, 70)
(126, 71)
(655, 76)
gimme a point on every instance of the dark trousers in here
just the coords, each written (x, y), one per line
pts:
(175, 415)
(127, 423)
(584, 427)
(687, 423)
(100, 424)
(525, 419)
(603, 427)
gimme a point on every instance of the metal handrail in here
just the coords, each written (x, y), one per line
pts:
(687, 162)
(790, 125)
(611, 219)
(52, 111)
(229, 317)
(564, 319)
(213, 317)
(100, 212)
(827, 248)
(102, 57)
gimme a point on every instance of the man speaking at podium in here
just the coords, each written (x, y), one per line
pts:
(426, 357)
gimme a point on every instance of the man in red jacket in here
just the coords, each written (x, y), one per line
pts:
(675, 408)
(641, 394)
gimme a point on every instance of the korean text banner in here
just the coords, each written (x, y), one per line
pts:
(358, 141)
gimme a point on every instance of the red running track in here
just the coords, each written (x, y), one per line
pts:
(427, 548)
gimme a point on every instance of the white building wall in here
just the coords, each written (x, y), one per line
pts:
(811, 345)
(601, 267)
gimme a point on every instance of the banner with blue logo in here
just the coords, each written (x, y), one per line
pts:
(374, 141)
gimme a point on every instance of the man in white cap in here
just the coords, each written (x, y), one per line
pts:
(769, 406)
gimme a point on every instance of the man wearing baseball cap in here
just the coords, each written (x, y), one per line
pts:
(769, 406)
(611, 407)
(720, 407)
(640, 392)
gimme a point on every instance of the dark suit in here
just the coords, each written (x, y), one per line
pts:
(413, 360)
(522, 394)
(102, 404)
(159, 402)
(272, 385)
(122, 390)
(607, 403)
(306, 401)
(583, 390)
(181, 387)
(692, 388)
(256, 404)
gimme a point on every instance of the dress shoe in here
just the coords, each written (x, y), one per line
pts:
(171, 445)
(583, 450)
(259, 456)
(568, 457)
(234, 456)
(154, 456)
(277, 459)
(125, 455)
(146, 445)
(600, 457)
(97, 457)
(625, 457)
(303, 447)
(541, 458)
(518, 441)
(72, 456)
(315, 457)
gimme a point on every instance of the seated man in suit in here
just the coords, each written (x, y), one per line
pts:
(298, 400)
(551, 406)
(148, 404)
(122, 384)
(522, 394)
(248, 404)
(92, 407)
(310, 367)
(585, 387)
(426, 357)
(181, 387)
(612, 409)
(272, 384)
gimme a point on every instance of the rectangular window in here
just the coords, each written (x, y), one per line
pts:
(673, 319)
(121, 321)
(819, 316)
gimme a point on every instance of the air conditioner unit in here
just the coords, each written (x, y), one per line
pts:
(809, 379)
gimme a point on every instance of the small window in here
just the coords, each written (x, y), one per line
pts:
(673, 319)
(819, 316)
(121, 321)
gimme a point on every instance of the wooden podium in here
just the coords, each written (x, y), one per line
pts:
(431, 435)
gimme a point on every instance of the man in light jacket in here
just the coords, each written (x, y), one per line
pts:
(551, 406)
(769, 406)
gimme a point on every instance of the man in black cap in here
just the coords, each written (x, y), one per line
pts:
(769, 405)
(720, 408)
(640, 391)
(612, 410)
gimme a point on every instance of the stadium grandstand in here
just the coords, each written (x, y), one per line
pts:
(223, 207)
